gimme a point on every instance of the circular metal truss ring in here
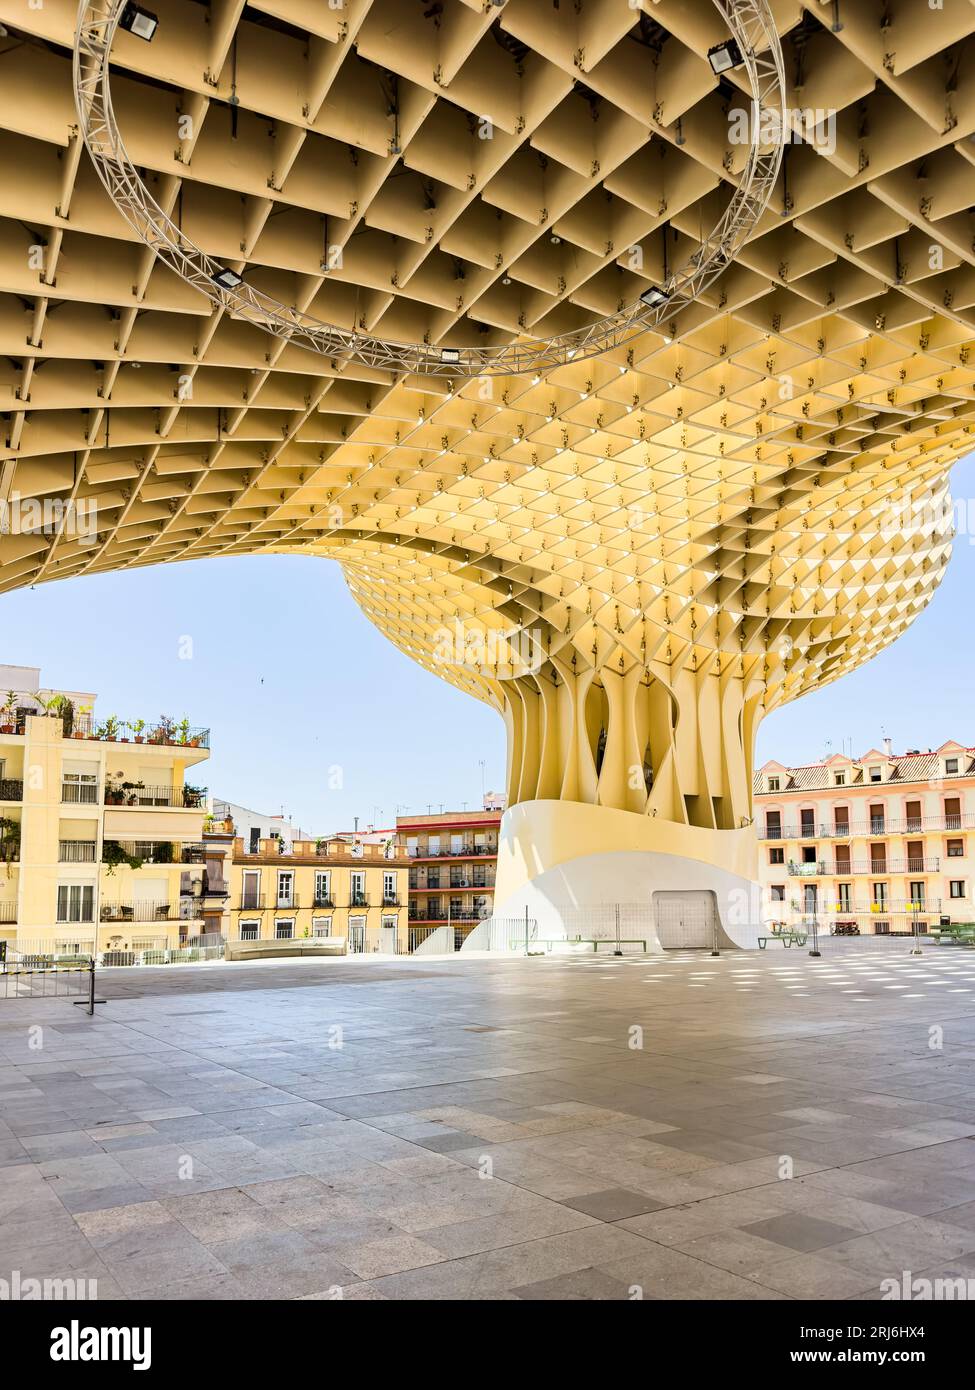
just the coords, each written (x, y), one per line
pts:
(753, 29)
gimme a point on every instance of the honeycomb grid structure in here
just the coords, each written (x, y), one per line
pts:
(689, 532)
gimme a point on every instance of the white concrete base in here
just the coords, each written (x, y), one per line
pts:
(567, 865)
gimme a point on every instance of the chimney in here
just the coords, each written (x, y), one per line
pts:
(888, 749)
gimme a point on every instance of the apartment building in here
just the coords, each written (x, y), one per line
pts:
(324, 887)
(255, 826)
(453, 862)
(881, 843)
(101, 825)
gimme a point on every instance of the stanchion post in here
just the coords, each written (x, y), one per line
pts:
(815, 931)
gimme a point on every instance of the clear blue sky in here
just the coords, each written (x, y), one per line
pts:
(294, 681)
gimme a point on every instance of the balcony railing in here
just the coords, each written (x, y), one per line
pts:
(914, 826)
(323, 900)
(358, 899)
(8, 913)
(250, 903)
(11, 790)
(76, 851)
(159, 731)
(448, 852)
(829, 868)
(391, 900)
(284, 902)
(134, 794)
(139, 912)
(161, 851)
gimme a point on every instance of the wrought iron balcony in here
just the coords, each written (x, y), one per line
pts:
(11, 789)
(139, 912)
(136, 794)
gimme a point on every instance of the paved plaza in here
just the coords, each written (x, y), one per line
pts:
(498, 1129)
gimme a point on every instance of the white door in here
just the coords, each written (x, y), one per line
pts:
(685, 920)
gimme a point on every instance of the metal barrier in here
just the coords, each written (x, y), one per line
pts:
(41, 977)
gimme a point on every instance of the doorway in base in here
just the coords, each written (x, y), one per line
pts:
(686, 920)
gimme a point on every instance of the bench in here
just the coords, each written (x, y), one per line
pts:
(788, 938)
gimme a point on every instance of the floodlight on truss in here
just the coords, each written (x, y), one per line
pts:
(754, 39)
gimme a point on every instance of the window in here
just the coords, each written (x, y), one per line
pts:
(284, 929)
(79, 786)
(433, 847)
(286, 888)
(917, 893)
(251, 888)
(876, 774)
(956, 888)
(321, 926)
(877, 820)
(913, 813)
(952, 813)
(807, 824)
(841, 820)
(389, 923)
(323, 888)
(777, 893)
(357, 934)
(389, 887)
(839, 778)
(412, 846)
(956, 849)
(843, 892)
(951, 766)
(76, 902)
(250, 931)
(880, 894)
(773, 825)
(773, 784)
(357, 890)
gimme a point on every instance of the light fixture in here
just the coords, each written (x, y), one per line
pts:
(653, 297)
(555, 240)
(506, 279)
(226, 278)
(135, 20)
(725, 56)
(450, 354)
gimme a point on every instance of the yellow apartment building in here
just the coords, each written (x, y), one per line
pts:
(100, 828)
(875, 844)
(355, 893)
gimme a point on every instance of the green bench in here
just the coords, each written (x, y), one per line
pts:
(788, 938)
(958, 934)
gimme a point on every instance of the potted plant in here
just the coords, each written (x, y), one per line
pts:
(137, 727)
(183, 729)
(110, 728)
(85, 712)
(113, 855)
(7, 710)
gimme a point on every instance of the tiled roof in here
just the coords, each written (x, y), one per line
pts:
(908, 769)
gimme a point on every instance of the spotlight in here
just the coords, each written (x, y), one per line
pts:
(139, 22)
(227, 279)
(653, 297)
(555, 240)
(725, 56)
(450, 354)
(506, 279)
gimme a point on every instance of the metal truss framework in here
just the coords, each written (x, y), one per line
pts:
(690, 531)
(750, 23)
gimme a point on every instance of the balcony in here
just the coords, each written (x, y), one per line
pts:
(138, 794)
(8, 913)
(286, 903)
(322, 900)
(139, 912)
(391, 900)
(914, 826)
(358, 900)
(446, 852)
(250, 903)
(167, 732)
(76, 851)
(11, 790)
(828, 868)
